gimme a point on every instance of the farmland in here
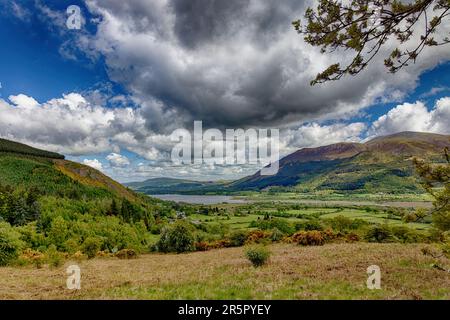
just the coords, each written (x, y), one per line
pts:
(240, 216)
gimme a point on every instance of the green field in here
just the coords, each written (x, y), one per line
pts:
(240, 216)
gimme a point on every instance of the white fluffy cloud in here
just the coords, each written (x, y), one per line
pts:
(118, 160)
(414, 117)
(23, 101)
(94, 163)
(71, 125)
(314, 135)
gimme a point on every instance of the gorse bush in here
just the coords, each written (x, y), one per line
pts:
(257, 236)
(257, 255)
(126, 254)
(309, 238)
(10, 243)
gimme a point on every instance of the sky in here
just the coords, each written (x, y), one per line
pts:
(110, 94)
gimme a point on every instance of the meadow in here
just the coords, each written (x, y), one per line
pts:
(332, 271)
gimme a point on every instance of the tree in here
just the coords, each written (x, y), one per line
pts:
(177, 238)
(436, 181)
(364, 26)
(114, 209)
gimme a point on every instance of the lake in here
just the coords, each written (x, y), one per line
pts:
(198, 199)
(214, 199)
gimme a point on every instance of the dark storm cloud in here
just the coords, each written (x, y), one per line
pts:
(229, 63)
(200, 21)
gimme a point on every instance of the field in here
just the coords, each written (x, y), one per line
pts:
(240, 216)
(334, 271)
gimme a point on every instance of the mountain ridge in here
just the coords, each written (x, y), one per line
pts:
(381, 164)
(354, 166)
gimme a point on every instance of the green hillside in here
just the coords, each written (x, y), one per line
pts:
(50, 206)
(170, 185)
(19, 148)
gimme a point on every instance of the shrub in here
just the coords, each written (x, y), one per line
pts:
(256, 236)
(342, 223)
(257, 255)
(178, 238)
(276, 235)
(309, 238)
(126, 254)
(10, 244)
(310, 225)
(219, 244)
(31, 237)
(103, 254)
(379, 233)
(91, 246)
(54, 258)
(30, 256)
(238, 238)
(436, 235)
(406, 235)
(59, 232)
(202, 246)
(79, 256)
(352, 237)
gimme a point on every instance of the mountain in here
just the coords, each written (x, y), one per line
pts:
(170, 185)
(383, 164)
(24, 167)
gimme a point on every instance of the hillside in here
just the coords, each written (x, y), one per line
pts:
(170, 185)
(19, 148)
(25, 167)
(383, 164)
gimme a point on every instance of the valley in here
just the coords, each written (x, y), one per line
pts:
(315, 242)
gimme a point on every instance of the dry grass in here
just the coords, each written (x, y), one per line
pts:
(335, 271)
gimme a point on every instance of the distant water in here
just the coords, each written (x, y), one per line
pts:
(212, 200)
(198, 199)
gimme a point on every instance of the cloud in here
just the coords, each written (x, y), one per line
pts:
(232, 64)
(94, 163)
(118, 160)
(20, 12)
(77, 127)
(434, 91)
(314, 134)
(414, 117)
(69, 124)
(23, 101)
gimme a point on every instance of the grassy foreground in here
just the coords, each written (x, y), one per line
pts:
(334, 271)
